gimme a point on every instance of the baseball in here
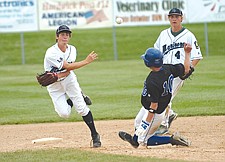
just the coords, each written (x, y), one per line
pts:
(119, 20)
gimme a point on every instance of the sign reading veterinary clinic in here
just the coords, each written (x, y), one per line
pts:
(146, 12)
(18, 16)
(75, 14)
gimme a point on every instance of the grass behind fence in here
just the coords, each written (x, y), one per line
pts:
(131, 41)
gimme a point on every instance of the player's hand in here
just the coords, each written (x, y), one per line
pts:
(142, 129)
(91, 57)
(187, 48)
(187, 69)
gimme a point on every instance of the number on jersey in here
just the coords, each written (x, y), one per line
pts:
(167, 86)
(177, 55)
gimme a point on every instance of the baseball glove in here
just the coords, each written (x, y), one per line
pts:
(185, 76)
(47, 78)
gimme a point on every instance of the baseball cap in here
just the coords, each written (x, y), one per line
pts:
(63, 28)
(175, 11)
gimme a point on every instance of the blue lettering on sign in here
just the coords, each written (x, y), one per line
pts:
(62, 22)
(23, 3)
(62, 15)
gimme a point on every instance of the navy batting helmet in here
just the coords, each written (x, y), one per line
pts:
(63, 28)
(153, 57)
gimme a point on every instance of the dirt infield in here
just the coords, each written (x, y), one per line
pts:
(206, 133)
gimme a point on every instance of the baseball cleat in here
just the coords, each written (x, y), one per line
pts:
(87, 99)
(172, 117)
(176, 139)
(162, 130)
(96, 140)
(127, 137)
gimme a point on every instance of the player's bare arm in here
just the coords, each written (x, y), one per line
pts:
(187, 64)
(76, 65)
(153, 106)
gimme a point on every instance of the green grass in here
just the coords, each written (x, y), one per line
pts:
(115, 89)
(204, 94)
(131, 42)
(114, 86)
(72, 155)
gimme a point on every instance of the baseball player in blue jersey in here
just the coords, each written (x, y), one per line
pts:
(155, 98)
(66, 92)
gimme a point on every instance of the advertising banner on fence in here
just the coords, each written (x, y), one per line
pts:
(27, 15)
(75, 14)
(206, 11)
(18, 16)
(146, 12)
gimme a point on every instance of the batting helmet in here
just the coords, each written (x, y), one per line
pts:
(63, 28)
(153, 57)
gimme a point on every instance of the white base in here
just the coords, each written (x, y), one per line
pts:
(46, 140)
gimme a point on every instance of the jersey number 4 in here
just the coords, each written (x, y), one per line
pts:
(177, 55)
(167, 86)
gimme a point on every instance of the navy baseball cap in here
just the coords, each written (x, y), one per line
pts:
(175, 11)
(63, 28)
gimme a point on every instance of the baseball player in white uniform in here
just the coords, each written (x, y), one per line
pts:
(171, 43)
(66, 92)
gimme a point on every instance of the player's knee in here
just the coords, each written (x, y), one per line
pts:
(83, 111)
(80, 106)
(65, 116)
(139, 117)
(64, 113)
(137, 122)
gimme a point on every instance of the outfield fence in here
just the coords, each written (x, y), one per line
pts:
(42, 15)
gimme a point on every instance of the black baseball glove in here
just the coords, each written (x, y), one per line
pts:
(47, 78)
(185, 76)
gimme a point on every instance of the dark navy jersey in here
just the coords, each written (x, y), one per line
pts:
(158, 86)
